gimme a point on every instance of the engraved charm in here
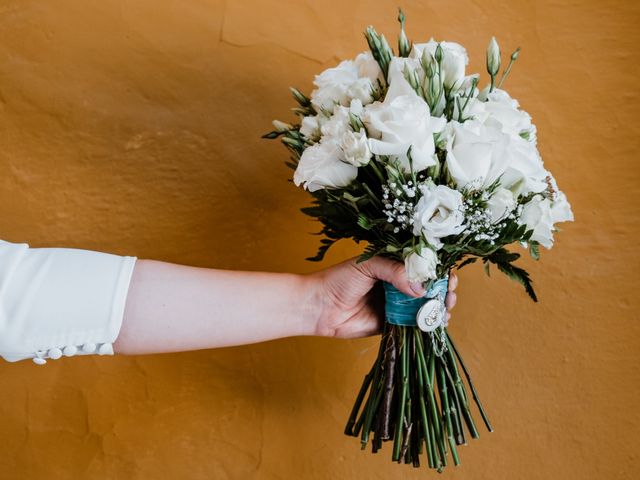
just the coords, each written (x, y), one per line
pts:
(430, 315)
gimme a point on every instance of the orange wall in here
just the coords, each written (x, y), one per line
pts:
(133, 127)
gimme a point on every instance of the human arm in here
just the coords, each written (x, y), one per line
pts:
(172, 307)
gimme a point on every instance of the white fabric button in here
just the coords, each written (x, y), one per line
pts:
(105, 349)
(39, 361)
(89, 347)
(55, 353)
(70, 350)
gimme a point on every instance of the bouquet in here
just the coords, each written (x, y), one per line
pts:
(404, 152)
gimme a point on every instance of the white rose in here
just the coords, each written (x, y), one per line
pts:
(540, 214)
(321, 167)
(401, 123)
(454, 59)
(356, 148)
(501, 204)
(421, 265)
(438, 214)
(476, 154)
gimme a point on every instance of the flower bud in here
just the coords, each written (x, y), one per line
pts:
(404, 47)
(439, 53)
(281, 126)
(493, 57)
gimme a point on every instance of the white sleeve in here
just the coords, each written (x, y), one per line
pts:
(60, 301)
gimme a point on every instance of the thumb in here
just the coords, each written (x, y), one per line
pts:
(391, 271)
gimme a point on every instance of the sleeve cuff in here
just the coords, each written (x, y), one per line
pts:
(58, 302)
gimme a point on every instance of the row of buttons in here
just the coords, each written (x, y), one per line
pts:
(71, 350)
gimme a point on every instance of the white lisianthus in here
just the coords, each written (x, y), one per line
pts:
(501, 204)
(525, 172)
(350, 79)
(310, 126)
(438, 213)
(368, 67)
(338, 123)
(401, 123)
(421, 265)
(504, 112)
(356, 148)
(321, 167)
(477, 154)
(540, 214)
(454, 60)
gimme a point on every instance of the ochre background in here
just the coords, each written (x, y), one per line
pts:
(134, 127)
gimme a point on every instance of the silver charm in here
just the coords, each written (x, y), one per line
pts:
(430, 316)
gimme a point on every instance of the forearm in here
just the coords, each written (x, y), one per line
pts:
(172, 308)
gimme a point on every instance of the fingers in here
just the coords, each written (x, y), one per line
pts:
(453, 281)
(450, 300)
(390, 271)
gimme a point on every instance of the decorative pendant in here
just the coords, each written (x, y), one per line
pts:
(430, 315)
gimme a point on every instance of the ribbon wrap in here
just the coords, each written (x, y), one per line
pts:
(401, 309)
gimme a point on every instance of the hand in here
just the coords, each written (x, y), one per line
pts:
(351, 301)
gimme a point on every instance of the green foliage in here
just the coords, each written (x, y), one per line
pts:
(504, 259)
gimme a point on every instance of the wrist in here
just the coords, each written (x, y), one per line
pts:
(310, 301)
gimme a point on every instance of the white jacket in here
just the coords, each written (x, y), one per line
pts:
(60, 301)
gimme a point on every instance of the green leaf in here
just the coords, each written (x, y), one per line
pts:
(322, 251)
(519, 275)
(272, 135)
(364, 222)
(467, 262)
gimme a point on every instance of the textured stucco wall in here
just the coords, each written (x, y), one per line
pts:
(133, 127)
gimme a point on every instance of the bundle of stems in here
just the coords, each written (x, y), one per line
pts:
(416, 398)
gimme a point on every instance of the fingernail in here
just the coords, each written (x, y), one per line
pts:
(417, 288)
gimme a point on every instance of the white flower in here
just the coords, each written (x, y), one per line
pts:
(540, 214)
(401, 123)
(356, 148)
(321, 167)
(454, 59)
(476, 154)
(368, 67)
(493, 57)
(421, 265)
(338, 123)
(350, 79)
(525, 172)
(438, 213)
(501, 204)
(310, 127)
(503, 112)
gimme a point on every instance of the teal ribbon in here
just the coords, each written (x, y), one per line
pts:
(402, 309)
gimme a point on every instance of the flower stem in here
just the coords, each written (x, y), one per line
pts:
(452, 346)
(403, 395)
